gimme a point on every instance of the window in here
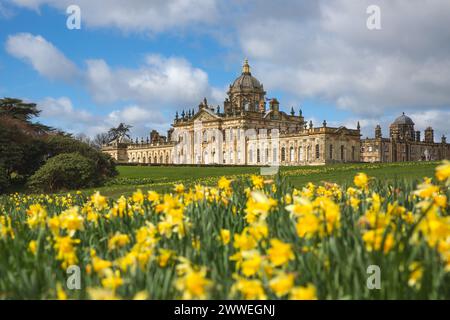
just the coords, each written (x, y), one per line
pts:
(250, 155)
(342, 153)
(267, 155)
(292, 154)
(353, 153)
(300, 154)
(258, 156)
(331, 152)
(317, 152)
(283, 154)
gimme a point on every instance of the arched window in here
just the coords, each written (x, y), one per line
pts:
(300, 154)
(292, 154)
(283, 154)
(266, 160)
(342, 153)
(331, 151)
(353, 153)
(250, 155)
(258, 156)
(317, 151)
(161, 159)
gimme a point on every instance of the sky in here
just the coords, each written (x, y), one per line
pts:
(140, 61)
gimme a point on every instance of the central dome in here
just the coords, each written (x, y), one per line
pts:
(246, 81)
(403, 119)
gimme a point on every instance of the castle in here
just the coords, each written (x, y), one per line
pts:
(248, 132)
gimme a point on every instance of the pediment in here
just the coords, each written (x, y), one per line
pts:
(342, 130)
(205, 115)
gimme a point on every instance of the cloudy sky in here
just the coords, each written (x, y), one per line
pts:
(138, 61)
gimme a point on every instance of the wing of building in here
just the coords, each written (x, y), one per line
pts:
(404, 144)
(250, 129)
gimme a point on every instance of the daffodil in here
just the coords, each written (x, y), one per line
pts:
(361, 180)
(251, 289)
(307, 292)
(443, 171)
(100, 202)
(280, 253)
(282, 284)
(225, 236)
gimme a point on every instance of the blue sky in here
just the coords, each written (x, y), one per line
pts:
(140, 61)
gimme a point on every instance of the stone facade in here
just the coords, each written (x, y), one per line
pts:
(251, 130)
(404, 144)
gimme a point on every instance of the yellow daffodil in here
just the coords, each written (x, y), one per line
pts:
(280, 253)
(304, 293)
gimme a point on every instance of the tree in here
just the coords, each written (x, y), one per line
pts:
(4, 180)
(100, 140)
(120, 133)
(25, 146)
(18, 109)
(20, 114)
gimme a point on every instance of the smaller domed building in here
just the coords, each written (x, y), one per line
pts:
(404, 144)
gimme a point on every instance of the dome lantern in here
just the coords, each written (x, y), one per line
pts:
(246, 68)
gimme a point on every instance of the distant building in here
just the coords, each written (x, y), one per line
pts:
(404, 144)
(248, 132)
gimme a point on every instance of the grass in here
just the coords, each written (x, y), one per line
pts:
(163, 178)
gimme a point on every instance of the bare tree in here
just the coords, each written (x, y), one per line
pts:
(100, 139)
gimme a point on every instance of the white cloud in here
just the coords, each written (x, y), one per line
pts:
(61, 113)
(330, 54)
(42, 55)
(171, 83)
(134, 115)
(136, 15)
(159, 82)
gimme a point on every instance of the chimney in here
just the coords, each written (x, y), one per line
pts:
(378, 134)
(429, 135)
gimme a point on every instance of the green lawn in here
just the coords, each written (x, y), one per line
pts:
(162, 178)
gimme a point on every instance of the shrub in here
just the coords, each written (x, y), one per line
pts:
(104, 164)
(64, 171)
